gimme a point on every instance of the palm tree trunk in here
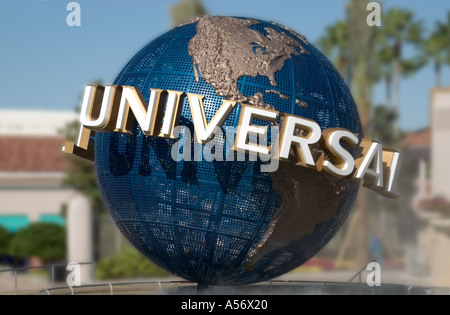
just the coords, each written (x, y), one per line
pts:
(397, 74)
(362, 256)
(437, 72)
(361, 48)
(388, 81)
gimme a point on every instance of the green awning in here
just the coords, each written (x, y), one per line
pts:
(52, 218)
(13, 223)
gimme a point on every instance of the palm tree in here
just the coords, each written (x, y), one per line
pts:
(437, 47)
(350, 49)
(400, 28)
(185, 10)
(334, 45)
(384, 64)
(360, 47)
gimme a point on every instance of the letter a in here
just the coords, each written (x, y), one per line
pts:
(374, 277)
(374, 17)
(73, 278)
(74, 17)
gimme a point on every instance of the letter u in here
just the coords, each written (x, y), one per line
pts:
(99, 107)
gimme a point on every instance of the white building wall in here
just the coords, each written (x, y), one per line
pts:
(34, 203)
(33, 194)
(34, 122)
(440, 140)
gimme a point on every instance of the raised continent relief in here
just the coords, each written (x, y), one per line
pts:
(226, 49)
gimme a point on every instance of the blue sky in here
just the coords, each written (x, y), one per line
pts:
(45, 64)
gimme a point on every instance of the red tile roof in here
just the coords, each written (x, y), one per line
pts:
(418, 138)
(32, 154)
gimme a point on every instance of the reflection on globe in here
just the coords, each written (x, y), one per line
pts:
(226, 222)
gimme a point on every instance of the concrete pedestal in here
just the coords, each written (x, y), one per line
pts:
(80, 236)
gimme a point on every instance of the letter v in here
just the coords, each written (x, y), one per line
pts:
(203, 130)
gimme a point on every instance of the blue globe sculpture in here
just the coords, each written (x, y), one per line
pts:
(227, 222)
